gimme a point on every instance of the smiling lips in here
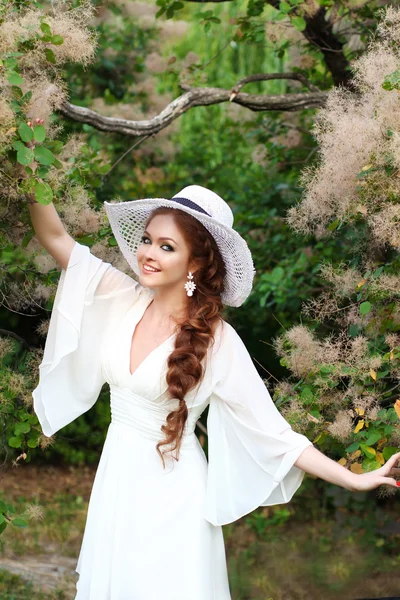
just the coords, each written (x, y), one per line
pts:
(148, 269)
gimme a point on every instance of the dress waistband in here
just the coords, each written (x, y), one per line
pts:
(145, 416)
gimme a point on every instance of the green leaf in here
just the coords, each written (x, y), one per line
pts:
(33, 443)
(27, 238)
(277, 274)
(284, 7)
(373, 438)
(14, 78)
(42, 172)
(56, 146)
(334, 225)
(25, 156)
(45, 27)
(365, 307)
(18, 145)
(279, 17)
(2, 518)
(327, 369)
(370, 465)
(22, 428)
(11, 63)
(17, 93)
(44, 156)
(392, 81)
(18, 522)
(3, 526)
(381, 374)
(353, 447)
(26, 97)
(299, 23)
(315, 413)
(50, 56)
(39, 133)
(307, 395)
(377, 272)
(320, 439)
(57, 40)
(25, 132)
(43, 193)
(389, 451)
(369, 452)
(161, 11)
(15, 442)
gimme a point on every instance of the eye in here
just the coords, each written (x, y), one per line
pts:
(144, 238)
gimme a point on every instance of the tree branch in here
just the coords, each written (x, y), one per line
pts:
(189, 99)
(270, 76)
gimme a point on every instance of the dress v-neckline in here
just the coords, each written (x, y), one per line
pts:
(131, 331)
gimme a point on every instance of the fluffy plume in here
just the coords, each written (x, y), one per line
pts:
(342, 427)
(358, 136)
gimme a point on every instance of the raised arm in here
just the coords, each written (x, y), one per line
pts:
(54, 238)
(50, 231)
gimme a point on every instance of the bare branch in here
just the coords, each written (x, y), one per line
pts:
(191, 98)
(270, 76)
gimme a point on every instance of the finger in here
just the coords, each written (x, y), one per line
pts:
(389, 481)
(390, 465)
(393, 460)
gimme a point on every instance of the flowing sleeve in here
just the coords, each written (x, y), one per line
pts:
(251, 447)
(90, 294)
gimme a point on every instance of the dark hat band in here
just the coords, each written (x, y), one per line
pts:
(190, 204)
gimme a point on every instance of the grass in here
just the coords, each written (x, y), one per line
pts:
(13, 587)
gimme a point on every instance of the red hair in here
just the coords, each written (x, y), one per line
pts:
(196, 330)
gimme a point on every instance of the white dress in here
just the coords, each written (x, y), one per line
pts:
(153, 533)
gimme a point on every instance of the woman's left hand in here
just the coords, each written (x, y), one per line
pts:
(382, 476)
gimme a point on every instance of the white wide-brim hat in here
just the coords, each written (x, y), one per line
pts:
(128, 221)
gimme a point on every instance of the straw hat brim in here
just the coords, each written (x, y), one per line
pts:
(128, 219)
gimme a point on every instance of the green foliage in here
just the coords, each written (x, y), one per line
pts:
(392, 81)
(268, 526)
(8, 517)
(168, 7)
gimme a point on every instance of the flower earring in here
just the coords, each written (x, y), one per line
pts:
(190, 285)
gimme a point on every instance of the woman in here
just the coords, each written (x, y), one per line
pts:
(154, 523)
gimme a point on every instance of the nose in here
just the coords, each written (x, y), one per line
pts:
(150, 254)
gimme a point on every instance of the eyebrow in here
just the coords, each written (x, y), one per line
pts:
(163, 238)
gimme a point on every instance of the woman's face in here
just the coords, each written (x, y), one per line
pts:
(163, 248)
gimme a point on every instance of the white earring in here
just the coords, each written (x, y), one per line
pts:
(190, 285)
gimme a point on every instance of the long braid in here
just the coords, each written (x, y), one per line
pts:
(196, 330)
